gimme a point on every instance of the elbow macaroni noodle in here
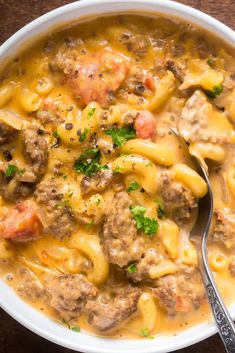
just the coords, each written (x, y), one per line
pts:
(157, 153)
(148, 311)
(190, 178)
(90, 246)
(141, 166)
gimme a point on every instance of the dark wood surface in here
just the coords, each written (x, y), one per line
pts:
(14, 14)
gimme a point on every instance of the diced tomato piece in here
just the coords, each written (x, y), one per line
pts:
(96, 77)
(21, 224)
(146, 125)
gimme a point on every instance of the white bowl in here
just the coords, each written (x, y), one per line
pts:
(9, 301)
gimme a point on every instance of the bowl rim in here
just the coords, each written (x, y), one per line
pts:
(9, 301)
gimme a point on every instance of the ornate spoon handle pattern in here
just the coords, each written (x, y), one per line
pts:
(224, 322)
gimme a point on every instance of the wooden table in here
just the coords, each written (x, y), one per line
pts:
(14, 14)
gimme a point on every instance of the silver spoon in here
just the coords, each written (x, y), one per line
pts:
(199, 235)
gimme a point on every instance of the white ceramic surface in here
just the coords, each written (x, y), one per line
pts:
(9, 301)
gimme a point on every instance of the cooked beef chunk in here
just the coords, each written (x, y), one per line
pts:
(178, 200)
(35, 149)
(68, 293)
(121, 243)
(137, 44)
(30, 287)
(224, 231)
(232, 266)
(137, 82)
(20, 185)
(97, 183)
(22, 182)
(177, 49)
(203, 48)
(53, 210)
(50, 112)
(109, 310)
(176, 70)
(229, 83)
(7, 133)
(149, 259)
(194, 117)
(130, 117)
(180, 293)
(193, 124)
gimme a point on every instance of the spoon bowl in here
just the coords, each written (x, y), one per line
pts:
(199, 235)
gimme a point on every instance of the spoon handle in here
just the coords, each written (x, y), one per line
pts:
(222, 317)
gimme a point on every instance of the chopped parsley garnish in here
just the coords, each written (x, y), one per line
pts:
(144, 332)
(70, 194)
(147, 225)
(90, 224)
(62, 204)
(89, 162)
(11, 170)
(160, 208)
(132, 268)
(216, 91)
(120, 136)
(133, 186)
(75, 328)
(210, 62)
(118, 170)
(83, 135)
(55, 134)
(91, 113)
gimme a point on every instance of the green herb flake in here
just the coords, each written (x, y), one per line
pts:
(210, 62)
(147, 225)
(90, 224)
(83, 135)
(75, 328)
(121, 136)
(11, 170)
(118, 170)
(160, 208)
(61, 204)
(89, 162)
(65, 177)
(91, 113)
(137, 210)
(133, 186)
(150, 226)
(77, 97)
(216, 91)
(55, 134)
(144, 332)
(132, 268)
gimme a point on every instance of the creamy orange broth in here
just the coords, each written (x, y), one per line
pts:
(49, 255)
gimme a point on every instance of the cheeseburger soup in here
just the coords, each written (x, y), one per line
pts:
(98, 197)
